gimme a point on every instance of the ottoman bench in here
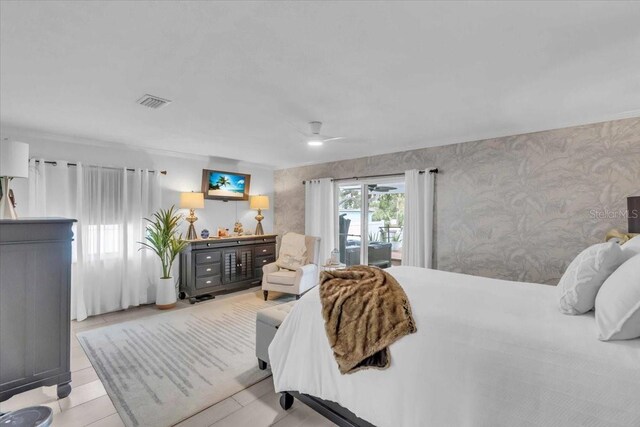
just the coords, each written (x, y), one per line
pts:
(268, 320)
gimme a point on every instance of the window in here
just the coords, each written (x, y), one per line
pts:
(103, 239)
(370, 222)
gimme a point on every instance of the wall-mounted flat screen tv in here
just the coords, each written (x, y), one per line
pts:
(220, 185)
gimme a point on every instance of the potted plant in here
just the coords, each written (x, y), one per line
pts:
(163, 239)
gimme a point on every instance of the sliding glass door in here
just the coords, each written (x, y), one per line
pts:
(370, 218)
(351, 208)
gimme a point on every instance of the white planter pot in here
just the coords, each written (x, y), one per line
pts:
(166, 293)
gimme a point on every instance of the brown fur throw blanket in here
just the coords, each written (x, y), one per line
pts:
(365, 310)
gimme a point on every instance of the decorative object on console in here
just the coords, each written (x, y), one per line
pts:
(192, 201)
(259, 203)
(633, 213)
(237, 229)
(223, 232)
(14, 163)
(225, 186)
(204, 233)
(163, 239)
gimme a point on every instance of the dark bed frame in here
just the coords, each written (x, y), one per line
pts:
(330, 410)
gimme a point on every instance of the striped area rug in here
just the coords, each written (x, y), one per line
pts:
(165, 368)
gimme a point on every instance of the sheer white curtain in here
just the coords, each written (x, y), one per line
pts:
(108, 273)
(319, 217)
(417, 236)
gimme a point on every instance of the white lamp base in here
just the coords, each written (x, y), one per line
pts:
(6, 207)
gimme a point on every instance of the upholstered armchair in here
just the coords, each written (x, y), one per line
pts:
(295, 282)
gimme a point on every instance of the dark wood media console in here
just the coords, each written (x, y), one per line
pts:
(212, 266)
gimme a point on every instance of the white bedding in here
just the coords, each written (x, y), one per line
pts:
(487, 353)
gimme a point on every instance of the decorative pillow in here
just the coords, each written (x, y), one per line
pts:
(631, 248)
(293, 252)
(579, 285)
(618, 303)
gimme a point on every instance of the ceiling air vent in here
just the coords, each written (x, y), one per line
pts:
(152, 101)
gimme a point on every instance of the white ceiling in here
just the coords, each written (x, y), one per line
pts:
(243, 76)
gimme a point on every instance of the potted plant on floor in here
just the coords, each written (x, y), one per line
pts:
(163, 239)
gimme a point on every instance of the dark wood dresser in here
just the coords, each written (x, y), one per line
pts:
(35, 290)
(219, 265)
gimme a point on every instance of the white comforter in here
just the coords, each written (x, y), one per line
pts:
(487, 353)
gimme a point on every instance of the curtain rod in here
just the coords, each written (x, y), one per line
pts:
(53, 162)
(376, 176)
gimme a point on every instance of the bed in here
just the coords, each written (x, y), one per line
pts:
(487, 353)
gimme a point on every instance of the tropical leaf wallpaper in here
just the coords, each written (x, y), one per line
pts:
(518, 207)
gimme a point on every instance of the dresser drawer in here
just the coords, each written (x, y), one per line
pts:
(263, 250)
(205, 244)
(264, 260)
(207, 257)
(208, 270)
(206, 282)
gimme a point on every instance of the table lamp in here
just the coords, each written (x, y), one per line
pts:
(259, 203)
(633, 213)
(14, 163)
(192, 201)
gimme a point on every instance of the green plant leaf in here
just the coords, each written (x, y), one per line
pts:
(162, 237)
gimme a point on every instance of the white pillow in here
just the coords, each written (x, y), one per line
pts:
(631, 248)
(618, 303)
(293, 252)
(579, 285)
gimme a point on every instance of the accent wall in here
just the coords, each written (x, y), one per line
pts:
(517, 207)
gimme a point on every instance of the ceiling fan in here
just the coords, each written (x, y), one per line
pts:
(375, 188)
(315, 139)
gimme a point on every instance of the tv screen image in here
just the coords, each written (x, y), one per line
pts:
(220, 185)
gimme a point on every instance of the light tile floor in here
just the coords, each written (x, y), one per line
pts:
(89, 405)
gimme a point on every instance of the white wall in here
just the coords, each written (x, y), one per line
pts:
(184, 173)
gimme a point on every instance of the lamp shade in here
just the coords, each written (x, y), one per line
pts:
(633, 212)
(14, 159)
(259, 202)
(191, 200)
